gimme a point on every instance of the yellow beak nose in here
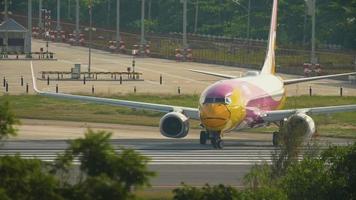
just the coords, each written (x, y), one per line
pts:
(214, 116)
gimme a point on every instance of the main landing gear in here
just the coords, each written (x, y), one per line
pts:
(276, 138)
(215, 139)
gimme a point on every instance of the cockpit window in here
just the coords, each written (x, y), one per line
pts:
(226, 100)
(214, 100)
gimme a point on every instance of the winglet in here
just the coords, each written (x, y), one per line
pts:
(34, 80)
(269, 66)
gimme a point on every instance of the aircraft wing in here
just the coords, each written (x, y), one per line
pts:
(278, 115)
(299, 80)
(214, 74)
(189, 112)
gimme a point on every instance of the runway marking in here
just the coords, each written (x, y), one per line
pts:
(239, 158)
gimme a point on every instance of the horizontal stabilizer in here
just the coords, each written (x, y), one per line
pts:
(300, 80)
(214, 74)
(278, 115)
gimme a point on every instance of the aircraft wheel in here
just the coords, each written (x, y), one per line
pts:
(276, 139)
(220, 144)
(216, 141)
(203, 137)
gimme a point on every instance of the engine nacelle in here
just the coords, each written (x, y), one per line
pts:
(303, 124)
(174, 125)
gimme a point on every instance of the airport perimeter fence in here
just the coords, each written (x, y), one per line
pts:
(219, 50)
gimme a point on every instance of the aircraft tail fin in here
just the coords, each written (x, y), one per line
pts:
(269, 66)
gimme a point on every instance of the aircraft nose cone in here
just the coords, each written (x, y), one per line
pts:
(214, 116)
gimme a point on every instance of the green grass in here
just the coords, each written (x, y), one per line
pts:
(39, 107)
(154, 195)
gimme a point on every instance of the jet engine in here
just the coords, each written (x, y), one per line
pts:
(301, 123)
(174, 125)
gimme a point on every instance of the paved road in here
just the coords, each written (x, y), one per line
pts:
(175, 161)
(175, 74)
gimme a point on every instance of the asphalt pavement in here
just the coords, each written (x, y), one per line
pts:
(175, 161)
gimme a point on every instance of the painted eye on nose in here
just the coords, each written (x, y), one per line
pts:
(228, 100)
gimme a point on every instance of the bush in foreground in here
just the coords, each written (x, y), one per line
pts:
(330, 175)
(103, 173)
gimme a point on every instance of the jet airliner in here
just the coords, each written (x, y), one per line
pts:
(233, 103)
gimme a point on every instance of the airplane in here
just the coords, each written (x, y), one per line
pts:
(231, 104)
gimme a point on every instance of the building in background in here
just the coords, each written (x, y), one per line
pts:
(14, 38)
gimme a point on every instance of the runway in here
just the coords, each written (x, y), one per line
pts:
(175, 161)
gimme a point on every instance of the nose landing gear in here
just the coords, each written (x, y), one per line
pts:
(214, 137)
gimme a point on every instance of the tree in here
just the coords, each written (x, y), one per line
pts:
(341, 164)
(26, 179)
(99, 187)
(328, 176)
(106, 173)
(307, 180)
(3, 195)
(7, 121)
(336, 19)
(206, 193)
(187, 192)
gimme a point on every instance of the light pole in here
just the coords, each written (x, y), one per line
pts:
(142, 43)
(108, 7)
(58, 15)
(69, 8)
(248, 9)
(305, 26)
(90, 34)
(313, 57)
(77, 31)
(196, 16)
(118, 39)
(29, 26)
(185, 43)
(311, 11)
(40, 24)
(6, 10)
(248, 20)
(47, 26)
(149, 9)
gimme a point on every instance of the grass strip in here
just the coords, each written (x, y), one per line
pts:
(39, 107)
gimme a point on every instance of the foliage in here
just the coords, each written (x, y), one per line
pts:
(341, 165)
(7, 121)
(223, 192)
(103, 173)
(99, 187)
(329, 175)
(3, 195)
(26, 179)
(291, 136)
(187, 192)
(108, 175)
(205, 193)
(336, 20)
(307, 180)
(266, 192)
(259, 176)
